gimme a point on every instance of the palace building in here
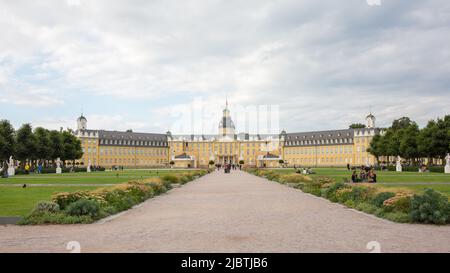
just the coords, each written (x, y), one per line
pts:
(310, 149)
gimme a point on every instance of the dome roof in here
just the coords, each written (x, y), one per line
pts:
(370, 116)
(226, 122)
(81, 118)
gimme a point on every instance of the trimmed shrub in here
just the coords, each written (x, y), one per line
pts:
(59, 218)
(292, 178)
(83, 207)
(357, 194)
(330, 192)
(437, 169)
(366, 207)
(63, 199)
(324, 181)
(401, 202)
(45, 206)
(399, 217)
(312, 188)
(170, 178)
(430, 207)
(379, 199)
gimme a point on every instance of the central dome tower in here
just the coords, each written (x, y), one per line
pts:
(226, 125)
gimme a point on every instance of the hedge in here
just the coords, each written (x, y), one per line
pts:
(433, 169)
(53, 170)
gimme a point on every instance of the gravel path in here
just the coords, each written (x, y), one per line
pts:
(232, 213)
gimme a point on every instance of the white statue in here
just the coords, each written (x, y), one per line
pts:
(399, 164)
(58, 166)
(11, 167)
(447, 165)
(89, 166)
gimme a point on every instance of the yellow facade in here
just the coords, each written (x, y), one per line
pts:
(353, 152)
(327, 148)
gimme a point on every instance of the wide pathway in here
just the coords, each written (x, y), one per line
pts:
(234, 212)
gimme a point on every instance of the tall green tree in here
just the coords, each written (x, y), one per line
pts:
(409, 142)
(357, 126)
(7, 140)
(57, 145)
(43, 144)
(26, 143)
(375, 147)
(72, 147)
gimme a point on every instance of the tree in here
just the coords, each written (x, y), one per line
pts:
(72, 147)
(57, 145)
(7, 140)
(408, 142)
(26, 143)
(43, 144)
(357, 126)
(129, 131)
(401, 123)
(376, 147)
(434, 139)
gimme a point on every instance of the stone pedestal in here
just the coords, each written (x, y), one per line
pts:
(398, 168)
(447, 168)
(88, 169)
(11, 171)
(58, 170)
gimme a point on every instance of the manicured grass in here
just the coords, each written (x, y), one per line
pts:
(18, 201)
(416, 182)
(444, 189)
(114, 177)
(383, 177)
(15, 201)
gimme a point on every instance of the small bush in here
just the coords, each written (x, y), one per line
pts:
(59, 218)
(366, 207)
(63, 199)
(330, 192)
(350, 203)
(357, 194)
(291, 178)
(83, 207)
(399, 217)
(312, 188)
(324, 181)
(437, 169)
(45, 206)
(430, 207)
(170, 178)
(401, 202)
(379, 199)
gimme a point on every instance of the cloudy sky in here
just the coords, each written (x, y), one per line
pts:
(145, 65)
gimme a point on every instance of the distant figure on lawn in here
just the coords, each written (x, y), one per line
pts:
(354, 177)
(370, 176)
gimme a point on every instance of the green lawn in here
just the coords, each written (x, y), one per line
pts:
(84, 178)
(383, 177)
(18, 201)
(416, 182)
(15, 201)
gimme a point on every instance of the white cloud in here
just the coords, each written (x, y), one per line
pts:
(325, 63)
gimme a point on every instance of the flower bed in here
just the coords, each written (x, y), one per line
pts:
(84, 207)
(430, 207)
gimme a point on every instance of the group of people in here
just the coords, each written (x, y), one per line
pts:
(303, 170)
(366, 175)
(227, 167)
